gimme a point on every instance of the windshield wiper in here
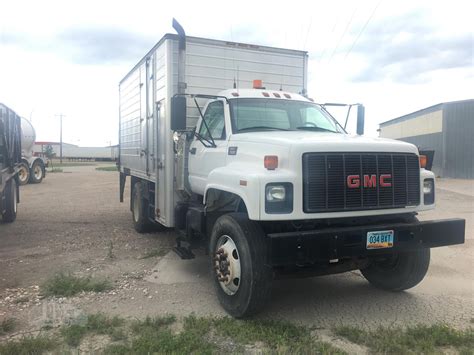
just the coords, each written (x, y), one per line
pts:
(262, 127)
(314, 128)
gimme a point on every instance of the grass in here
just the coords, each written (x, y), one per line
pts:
(7, 326)
(70, 164)
(279, 336)
(411, 340)
(95, 324)
(154, 253)
(28, 346)
(67, 285)
(107, 168)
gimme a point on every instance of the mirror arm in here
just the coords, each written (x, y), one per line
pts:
(211, 141)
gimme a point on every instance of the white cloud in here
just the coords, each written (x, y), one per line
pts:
(68, 57)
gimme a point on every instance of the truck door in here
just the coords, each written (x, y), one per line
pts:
(202, 159)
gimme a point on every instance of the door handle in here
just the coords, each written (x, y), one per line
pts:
(193, 151)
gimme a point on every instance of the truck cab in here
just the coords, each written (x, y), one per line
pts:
(265, 180)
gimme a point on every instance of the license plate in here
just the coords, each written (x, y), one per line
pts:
(380, 239)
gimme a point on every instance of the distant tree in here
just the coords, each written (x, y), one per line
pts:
(49, 153)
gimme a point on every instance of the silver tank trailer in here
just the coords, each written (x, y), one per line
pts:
(32, 168)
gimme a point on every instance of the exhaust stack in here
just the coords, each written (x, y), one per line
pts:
(181, 56)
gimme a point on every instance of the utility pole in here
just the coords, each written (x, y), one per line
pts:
(60, 137)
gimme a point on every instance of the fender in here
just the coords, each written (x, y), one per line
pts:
(239, 184)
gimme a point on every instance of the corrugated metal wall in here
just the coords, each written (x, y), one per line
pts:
(458, 129)
(453, 146)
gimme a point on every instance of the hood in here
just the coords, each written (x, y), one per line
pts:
(325, 142)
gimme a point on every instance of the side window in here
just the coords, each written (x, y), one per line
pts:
(214, 117)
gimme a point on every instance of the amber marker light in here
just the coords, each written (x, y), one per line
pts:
(423, 161)
(270, 162)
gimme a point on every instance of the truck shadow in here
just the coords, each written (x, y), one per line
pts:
(344, 299)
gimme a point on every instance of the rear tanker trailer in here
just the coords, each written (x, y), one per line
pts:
(32, 168)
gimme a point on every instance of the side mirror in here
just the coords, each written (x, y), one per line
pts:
(178, 113)
(360, 119)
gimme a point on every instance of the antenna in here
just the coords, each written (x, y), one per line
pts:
(233, 55)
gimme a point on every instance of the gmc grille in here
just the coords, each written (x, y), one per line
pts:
(325, 187)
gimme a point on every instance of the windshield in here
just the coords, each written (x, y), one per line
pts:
(263, 114)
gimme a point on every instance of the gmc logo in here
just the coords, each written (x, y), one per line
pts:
(353, 181)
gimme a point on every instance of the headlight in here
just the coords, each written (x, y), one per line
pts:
(428, 186)
(428, 191)
(275, 193)
(279, 198)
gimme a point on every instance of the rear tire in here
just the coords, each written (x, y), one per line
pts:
(141, 222)
(11, 202)
(23, 173)
(400, 271)
(37, 172)
(239, 254)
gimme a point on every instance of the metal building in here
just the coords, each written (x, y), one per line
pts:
(446, 128)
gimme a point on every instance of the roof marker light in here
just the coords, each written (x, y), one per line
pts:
(288, 96)
(276, 94)
(266, 94)
(235, 94)
(257, 84)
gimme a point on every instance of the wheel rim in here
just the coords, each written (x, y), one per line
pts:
(136, 216)
(23, 174)
(227, 265)
(38, 172)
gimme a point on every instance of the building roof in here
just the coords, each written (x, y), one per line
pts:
(422, 111)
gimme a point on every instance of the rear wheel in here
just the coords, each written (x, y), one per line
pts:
(399, 271)
(23, 173)
(141, 222)
(11, 202)
(239, 264)
(37, 172)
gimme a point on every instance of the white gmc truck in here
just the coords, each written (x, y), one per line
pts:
(263, 178)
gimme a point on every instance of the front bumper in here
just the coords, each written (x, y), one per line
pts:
(292, 248)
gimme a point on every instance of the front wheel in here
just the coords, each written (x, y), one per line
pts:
(37, 172)
(239, 264)
(399, 271)
(11, 202)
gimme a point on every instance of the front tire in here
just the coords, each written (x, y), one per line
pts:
(23, 173)
(242, 276)
(141, 222)
(399, 271)
(37, 172)
(11, 202)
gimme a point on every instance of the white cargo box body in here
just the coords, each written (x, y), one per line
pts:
(145, 138)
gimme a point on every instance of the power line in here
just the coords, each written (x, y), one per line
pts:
(343, 34)
(363, 29)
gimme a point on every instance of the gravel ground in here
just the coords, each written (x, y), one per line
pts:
(73, 222)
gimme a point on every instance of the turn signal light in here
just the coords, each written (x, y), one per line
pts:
(270, 162)
(423, 161)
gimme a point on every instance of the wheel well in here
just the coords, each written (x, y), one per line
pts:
(224, 201)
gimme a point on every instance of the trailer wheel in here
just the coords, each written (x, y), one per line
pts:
(141, 222)
(23, 173)
(37, 172)
(11, 202)
(242, 277)
(399, 271)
